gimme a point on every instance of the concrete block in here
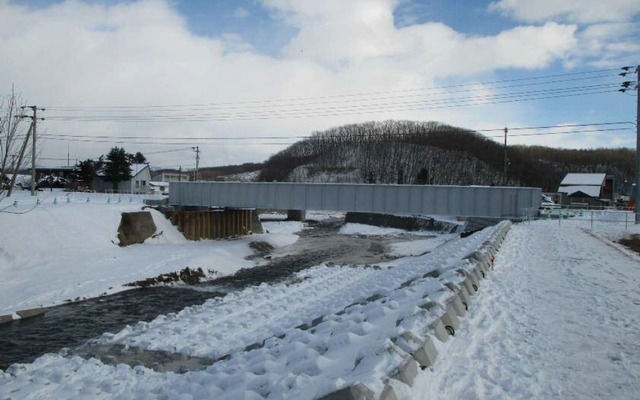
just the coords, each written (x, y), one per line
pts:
(471, 280)
(406, 372)
(354, 392)
(388, 393)
(455, 304)
(450, 321)
(480, 271)
(30, 313)
(422, 350)
(479, 256)
(466, 283)
(439, 331)
(465, 297)
(427, 354)
(432, 308)
(6, 318)
(462, 291)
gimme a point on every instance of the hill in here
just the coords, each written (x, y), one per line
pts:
(410, 152)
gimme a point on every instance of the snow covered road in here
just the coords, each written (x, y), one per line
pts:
(559, 318)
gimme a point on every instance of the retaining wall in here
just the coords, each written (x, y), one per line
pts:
(213, 224)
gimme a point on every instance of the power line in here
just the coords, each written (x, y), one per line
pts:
(556, 126)
(349, 95)
(241, 138)
(561, 132)
(287, 140)
(295, 113)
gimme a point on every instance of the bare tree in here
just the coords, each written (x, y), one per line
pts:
(13, 140)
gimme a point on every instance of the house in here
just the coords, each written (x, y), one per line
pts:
(159, 187)
(167, 176)
(138, 184)
(591, 189)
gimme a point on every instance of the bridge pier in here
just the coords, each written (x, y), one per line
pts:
(296, 215)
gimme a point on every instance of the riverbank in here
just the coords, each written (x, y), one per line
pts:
(62, 247)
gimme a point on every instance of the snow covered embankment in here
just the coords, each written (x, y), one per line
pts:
(337, 330)
(413, 344)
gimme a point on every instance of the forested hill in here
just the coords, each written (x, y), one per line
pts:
(433, 153)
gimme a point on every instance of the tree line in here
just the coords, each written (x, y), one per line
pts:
(115, 167)
(413, 152)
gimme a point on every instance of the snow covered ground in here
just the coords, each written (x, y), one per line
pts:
(558, 318)
(65, 248)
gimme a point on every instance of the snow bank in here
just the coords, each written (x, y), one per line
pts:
(60, 247)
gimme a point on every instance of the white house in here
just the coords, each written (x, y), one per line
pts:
(138, 184)
(159, 187)
(592, 189)
(589, 184)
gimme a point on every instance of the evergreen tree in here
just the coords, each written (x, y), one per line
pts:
(423, 177)
(117, 167)
(137, 158)
(87, 169)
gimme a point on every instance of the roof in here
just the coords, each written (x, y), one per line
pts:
(589, 190)
(137, 168)
(159, 184)
(583, 180)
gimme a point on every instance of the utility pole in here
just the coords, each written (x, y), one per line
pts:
(624, 87)
(197, 150)
(637, 144)
(34, 119)
(506, 159)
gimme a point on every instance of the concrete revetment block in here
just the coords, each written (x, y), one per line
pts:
(355, 392)
(33, 312)
(388, 393)
(5, 318)
(439, 331)
(424, 351)
(456, 303)
(406, 372)
(450, 321)
(462, 291)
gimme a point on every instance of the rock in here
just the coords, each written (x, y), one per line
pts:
(135, 227)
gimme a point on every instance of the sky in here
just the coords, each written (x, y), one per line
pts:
(242, 80)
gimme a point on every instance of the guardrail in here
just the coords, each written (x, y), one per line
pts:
(591, 218)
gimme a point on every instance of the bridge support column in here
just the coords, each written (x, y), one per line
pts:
(296, 215)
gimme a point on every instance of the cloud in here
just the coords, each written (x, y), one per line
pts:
(241, 12)
(363, 33)
(582, 11)
(78, 58)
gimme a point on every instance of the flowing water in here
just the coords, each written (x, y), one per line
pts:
(72, 325)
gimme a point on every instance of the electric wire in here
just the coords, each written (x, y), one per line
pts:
(373, 93)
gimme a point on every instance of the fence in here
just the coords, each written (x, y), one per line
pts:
(600, 218)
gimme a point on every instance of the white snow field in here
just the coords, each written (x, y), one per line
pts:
(556, 318)
(65, 248)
